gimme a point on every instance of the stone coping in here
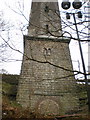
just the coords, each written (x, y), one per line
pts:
(46, 38)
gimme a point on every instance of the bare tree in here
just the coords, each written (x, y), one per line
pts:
(66, 24)
(22, 28)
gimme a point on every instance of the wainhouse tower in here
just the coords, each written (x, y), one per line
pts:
(46, 85)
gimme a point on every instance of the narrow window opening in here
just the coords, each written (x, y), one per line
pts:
(45, 51)
(49, 52)
(46, 9)
(47, 29)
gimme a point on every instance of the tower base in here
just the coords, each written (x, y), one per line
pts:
(47, 85)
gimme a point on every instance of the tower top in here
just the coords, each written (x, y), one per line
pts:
(44, 19)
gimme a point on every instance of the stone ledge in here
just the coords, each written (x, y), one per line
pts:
(62, 39)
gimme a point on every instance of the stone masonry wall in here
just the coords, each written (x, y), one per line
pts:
(43, 87)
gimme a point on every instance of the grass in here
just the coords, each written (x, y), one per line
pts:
(11, 109)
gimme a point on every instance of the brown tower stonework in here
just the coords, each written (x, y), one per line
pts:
(46, 84)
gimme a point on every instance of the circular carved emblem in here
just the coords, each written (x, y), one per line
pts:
(48, 107)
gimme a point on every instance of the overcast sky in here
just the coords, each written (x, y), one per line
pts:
(17, 38)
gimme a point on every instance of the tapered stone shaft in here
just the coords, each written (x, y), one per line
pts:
(46, 85)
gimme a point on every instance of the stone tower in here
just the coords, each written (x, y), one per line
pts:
(46, 85)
